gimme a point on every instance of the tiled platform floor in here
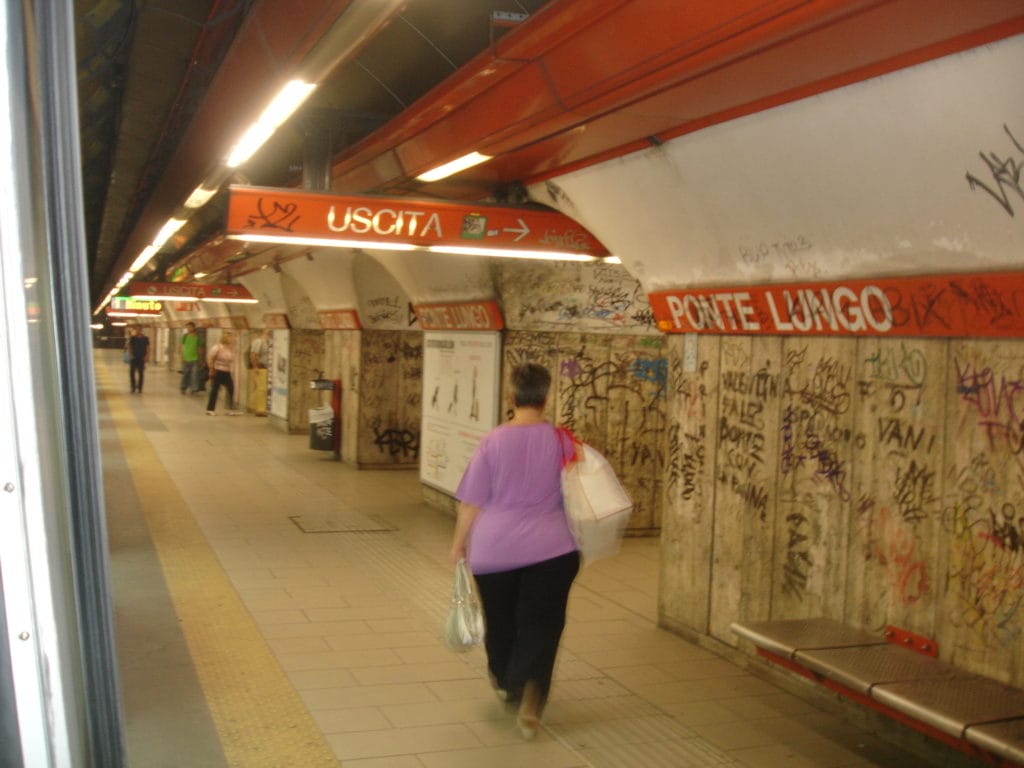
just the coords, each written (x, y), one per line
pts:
(333, 640)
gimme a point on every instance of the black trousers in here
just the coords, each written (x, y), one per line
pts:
(221, 378)
(525, 614)
(136, 373)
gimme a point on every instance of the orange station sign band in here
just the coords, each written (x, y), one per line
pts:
(339, 319)
(463, 316)
(380, 220)
(986, 305)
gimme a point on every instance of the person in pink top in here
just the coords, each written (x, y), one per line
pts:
(512, 530)
(220, 359)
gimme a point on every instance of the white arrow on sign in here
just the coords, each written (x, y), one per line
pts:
(522, 229)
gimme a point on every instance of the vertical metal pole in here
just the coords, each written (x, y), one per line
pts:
(61, 688)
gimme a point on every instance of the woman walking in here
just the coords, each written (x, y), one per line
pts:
(219, 360)
(512, 530)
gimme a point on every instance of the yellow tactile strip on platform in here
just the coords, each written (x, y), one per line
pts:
(260, 718)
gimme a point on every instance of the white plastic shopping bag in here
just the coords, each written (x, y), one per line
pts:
(464, 627)
(596, 504)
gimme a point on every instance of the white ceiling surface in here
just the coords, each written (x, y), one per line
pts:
(265, 286)
(327, 278)
(383, 302)
(439, 277)
(866, 181)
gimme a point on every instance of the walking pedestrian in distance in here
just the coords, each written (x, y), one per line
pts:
(189, 359)
(220, 359)
(138, 354)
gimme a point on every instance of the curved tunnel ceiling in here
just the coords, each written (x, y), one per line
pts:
(573, 83)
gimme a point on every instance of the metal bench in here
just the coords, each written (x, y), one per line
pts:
(899, 675)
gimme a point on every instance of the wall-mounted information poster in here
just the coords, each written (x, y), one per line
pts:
(461, 381)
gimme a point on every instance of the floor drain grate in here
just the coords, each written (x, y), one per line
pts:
(339, 522)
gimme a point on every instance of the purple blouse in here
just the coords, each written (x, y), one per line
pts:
(514, 478)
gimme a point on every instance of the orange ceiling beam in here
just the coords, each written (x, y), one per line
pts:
(584, 80)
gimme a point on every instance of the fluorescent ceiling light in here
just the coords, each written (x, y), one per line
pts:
(280, 109)
(611, 260)
(168, 229)
(119, 325)
(510, 253)
(191, 299)
(200, 275)
(142, 259)
(200, 196)
(453, 167)
(97, 326)
(185, 299)
(124, 279)
(229, 301)
(326, 241)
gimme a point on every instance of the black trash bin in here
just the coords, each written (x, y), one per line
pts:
(321, 428)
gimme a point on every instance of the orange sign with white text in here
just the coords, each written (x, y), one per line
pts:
(980, 305)
(339, 319)
(297, 215)
(462, 316)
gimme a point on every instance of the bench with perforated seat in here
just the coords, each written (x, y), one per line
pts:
(899, 675)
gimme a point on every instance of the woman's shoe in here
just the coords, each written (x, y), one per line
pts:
(528, 719)
(527, 725)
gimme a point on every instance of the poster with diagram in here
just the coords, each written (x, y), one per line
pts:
(461, 379)
(278, 376)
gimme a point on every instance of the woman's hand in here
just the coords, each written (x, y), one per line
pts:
(464, 516)
(458, 553)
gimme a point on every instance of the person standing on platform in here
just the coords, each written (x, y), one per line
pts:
(512, 530)
(259, 351)
(219, 360)
(259, 362)
(138, 354)
(189, 359)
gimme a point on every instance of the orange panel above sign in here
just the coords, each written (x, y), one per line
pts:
(339, 319)
(983, 305)
(463, 316)
(296, 216)
(276, 321)
(191, 292)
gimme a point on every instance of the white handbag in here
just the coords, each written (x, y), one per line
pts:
(464, 627)
(596, 505)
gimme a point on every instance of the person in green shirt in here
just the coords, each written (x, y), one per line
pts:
(189, 359)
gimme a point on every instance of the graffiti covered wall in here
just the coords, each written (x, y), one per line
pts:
(390, 399)
(341, 362)
(305, 362)
(875, 481)
(561, 296)
(610, 391)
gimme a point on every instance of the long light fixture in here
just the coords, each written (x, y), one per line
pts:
(326, 242)
(453, 167)
(143, 258)
(370, 245)
(200, 196)
(280, 109)
(173, 225)
(510, 253)
(186, 299)
(229, 301)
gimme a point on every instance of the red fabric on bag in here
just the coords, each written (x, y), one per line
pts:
(576, 444)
